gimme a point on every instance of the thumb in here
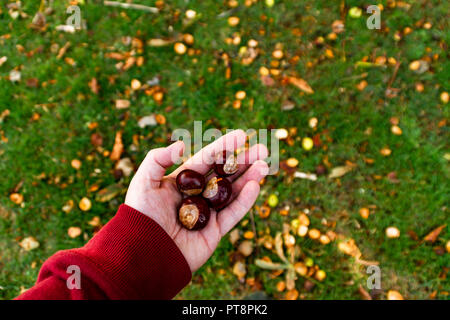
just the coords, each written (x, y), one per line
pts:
(157, 161)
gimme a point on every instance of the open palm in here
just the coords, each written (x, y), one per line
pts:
(156, 195)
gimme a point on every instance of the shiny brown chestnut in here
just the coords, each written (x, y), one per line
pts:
(218, 192)
(190, 182)
(225, 164)
(194, 213)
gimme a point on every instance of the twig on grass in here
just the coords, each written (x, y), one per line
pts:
(130, 6)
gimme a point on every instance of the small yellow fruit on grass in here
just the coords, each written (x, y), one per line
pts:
(307, 144)
(320, 275)
(85, 204)
(272, 200)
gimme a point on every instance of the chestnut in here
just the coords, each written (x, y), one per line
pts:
(225, 164)
(190, 182)
(194, 213)
(218, 192)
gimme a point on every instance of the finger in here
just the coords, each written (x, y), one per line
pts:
(247, 158)
(235, 211)
(202, 160)
(256, 172)
(157, 161)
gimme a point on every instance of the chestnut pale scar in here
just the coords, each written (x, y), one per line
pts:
(189, 215)
(230, 165)
(211, 188)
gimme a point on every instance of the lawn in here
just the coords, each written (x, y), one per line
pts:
(374, 102)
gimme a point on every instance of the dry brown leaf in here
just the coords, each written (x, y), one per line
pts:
(432, 236)
(117, 148)
(94, 86)
(364, 294)
(279, 247)
(301, 84)
(96, 139)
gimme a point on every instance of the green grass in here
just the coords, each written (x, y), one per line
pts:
(418, 202)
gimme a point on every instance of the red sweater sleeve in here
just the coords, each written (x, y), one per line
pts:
(131, 257)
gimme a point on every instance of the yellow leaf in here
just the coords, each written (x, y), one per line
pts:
(350, 248)
(301, 84)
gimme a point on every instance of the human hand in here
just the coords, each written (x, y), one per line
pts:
(157, 196)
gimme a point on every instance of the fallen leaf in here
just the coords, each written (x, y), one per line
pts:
(279, 247)
(109, 193)
(15, 76)
(95, 222)
(29, 243)
(32, 83)
(68, 206)
(66, 28)
(94, 86)
(3, 60)
(364, 294)
(126, 166)
(301, 84)
(147, 121)
(432, 236)
(74, 232)
(239, 270)
(339, 171)
(350, 248)
(246, 248)
(290, 278)
(160, 42)
(117, 148)
(96, 139)
(122, 104)
(307, 176)
(234, 236)
(38, 21)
